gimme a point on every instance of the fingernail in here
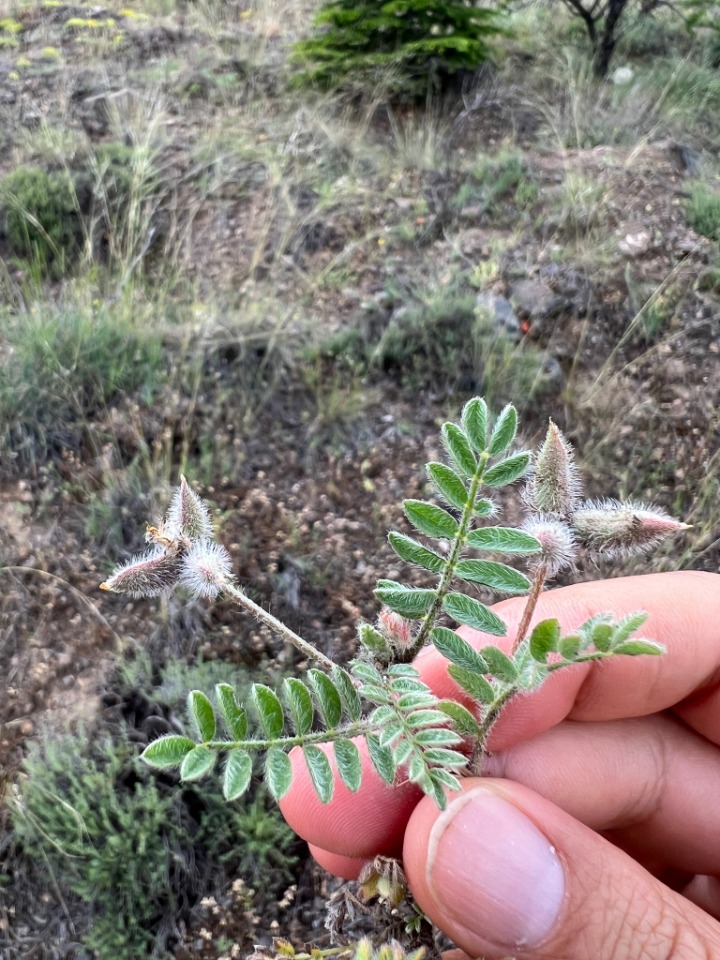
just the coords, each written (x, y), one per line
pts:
(493, 872)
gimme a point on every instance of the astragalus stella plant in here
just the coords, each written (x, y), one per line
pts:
(379, 696)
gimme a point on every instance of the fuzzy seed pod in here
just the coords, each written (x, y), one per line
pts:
(146, 575)
(206, 568)
(618, 529)
(554, 486)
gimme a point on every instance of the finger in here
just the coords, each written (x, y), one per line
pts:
(650, 783)
(354, 825)
(504, 871)
(346, 867)
(684, 614)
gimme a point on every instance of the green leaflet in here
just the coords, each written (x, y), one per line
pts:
(373, 641)
(457, 650)
(627, 626)
(504, 431)
(463, 721)
(430, 519)
(460, 451)
(498, 576)
(474, 614)
(413, 552)
(449, 485)
(405, 601)
(634, 648)
(382, 758)
(278, 772)
(349, 764)
(202, 714)
(503, 540)
(544, 640)
(237, 774)
(297, 696)
(320, 771)
(327, 697)
(474, 419)
(199, 761)
(269, 710)
(500, 665)
(473, 683)
(233, 715)
(168, 751)
(348, 694)
(507, 471)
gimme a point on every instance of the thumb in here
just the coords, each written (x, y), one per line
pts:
(504, 871)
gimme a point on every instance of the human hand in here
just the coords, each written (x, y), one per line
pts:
(597, 834)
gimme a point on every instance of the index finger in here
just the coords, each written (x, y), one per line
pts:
(684, 615)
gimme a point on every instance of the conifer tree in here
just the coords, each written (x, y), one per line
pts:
(410, 41)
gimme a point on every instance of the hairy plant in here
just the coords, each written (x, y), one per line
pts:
(379, 696)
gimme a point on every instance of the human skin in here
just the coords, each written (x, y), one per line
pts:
(595, 832)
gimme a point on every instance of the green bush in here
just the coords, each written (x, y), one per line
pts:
(49, 216)
(41, 218)
(135, 850)
(62, 364)
(403, 43)
(703, 211)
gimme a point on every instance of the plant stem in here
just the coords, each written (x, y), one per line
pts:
(307, 649)
(448, 573)
(356, 729)
(538, 583)
(486, 725)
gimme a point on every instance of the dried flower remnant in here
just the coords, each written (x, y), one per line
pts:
(622, 529)
(182, 552)
(557, 543)
(206, 568)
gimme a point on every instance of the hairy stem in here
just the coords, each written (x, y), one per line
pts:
(430, 618)
(359, 728)
(307, 649)
(538, 582)
(486, 725)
